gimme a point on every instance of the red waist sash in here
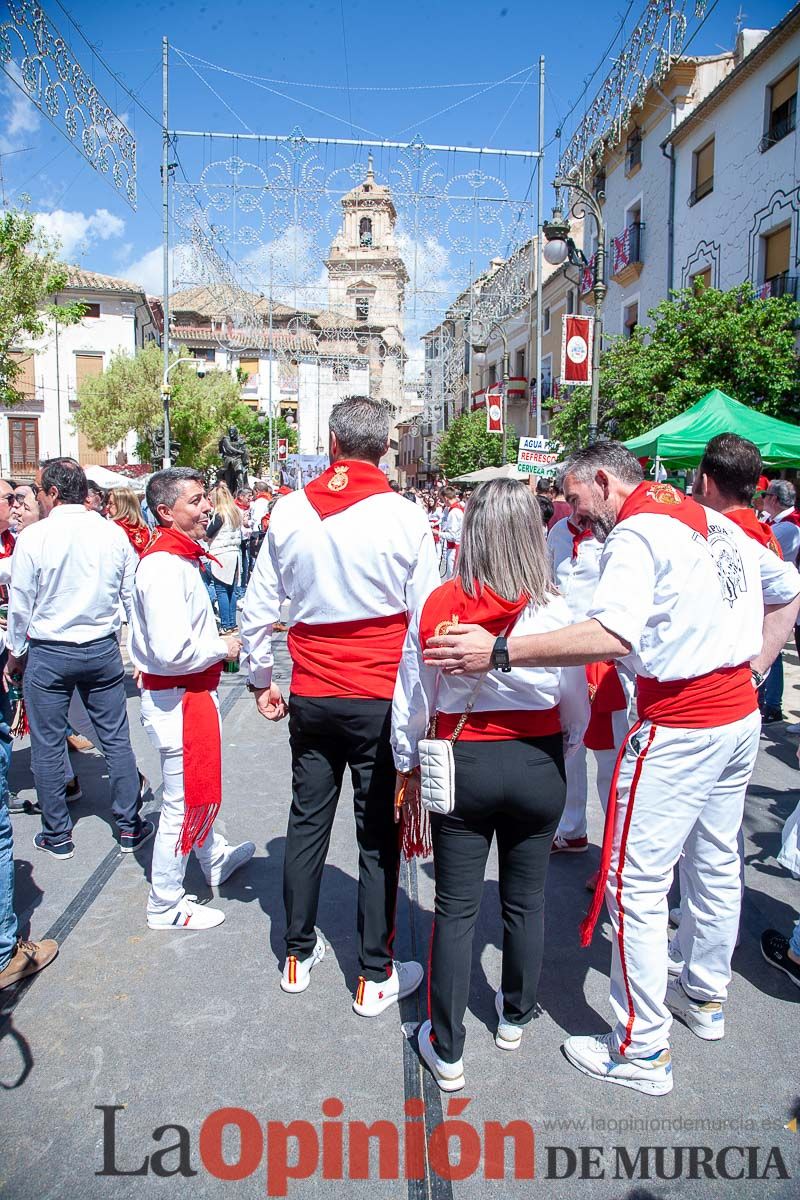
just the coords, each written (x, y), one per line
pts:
(606, 697)
(719, 698)
(348, 658)
(202, 751)
(501, 724)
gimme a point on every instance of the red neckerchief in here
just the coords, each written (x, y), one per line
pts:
(263, 495)
(759, 531)
(450, 605)
(243, 505)
(344, 484)
(578, 536)
(666, 501)
(791, 518)
(7, 543)
(137, 535)
(172, 541)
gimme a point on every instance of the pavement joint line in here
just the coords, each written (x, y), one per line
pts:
(85, 897)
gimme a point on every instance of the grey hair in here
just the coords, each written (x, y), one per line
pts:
(164, 487)
(783, 491)
(361, 426)
(502, 543)
(603, 456)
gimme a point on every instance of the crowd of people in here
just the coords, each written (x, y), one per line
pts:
(461, 657)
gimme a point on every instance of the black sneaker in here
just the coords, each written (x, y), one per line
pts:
(774, 947)
(74, 790)
(16, 804)
(62, 849)
(128, 842)
(771, 715)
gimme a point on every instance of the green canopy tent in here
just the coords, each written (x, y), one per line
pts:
(681, 441)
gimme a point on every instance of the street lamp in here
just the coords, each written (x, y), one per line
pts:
(165, 394)
(479, 358)
(560, 248)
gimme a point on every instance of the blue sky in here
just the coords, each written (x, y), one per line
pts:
(399, 51)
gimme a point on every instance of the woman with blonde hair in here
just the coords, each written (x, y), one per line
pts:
(508, 746)
(124, 509)
(224, 537)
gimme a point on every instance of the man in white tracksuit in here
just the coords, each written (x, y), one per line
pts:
(451, 530)
(680, 595)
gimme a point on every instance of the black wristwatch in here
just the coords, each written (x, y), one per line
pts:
(500, 659)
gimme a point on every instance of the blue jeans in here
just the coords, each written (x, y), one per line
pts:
(8, 918)
(771, 692)
(5, 745)
(794, 941)
(54, 671)
(226, 599)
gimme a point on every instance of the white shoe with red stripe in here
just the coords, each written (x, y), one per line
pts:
(598, 1057)
(565, 845)
(297, 971)
(449, 1076)
(187, 914)
(374, 998)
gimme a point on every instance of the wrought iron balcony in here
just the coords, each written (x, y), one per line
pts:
(777, 132)
(627, 252)
(779, 285)
(703, 189)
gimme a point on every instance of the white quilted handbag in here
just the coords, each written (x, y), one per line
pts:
(437, 765)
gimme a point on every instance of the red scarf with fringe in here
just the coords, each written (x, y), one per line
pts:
(202, 741)
(137, 535)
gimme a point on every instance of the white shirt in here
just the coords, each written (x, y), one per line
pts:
(453, 520)
(173, 630)
(70, 573)
(258, 510)
(373, 559)
(422, 690)
(687, 605)
(576, 580)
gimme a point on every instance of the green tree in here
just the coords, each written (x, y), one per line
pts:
(256, 434)
(698, 340)
(467, 446)
(30, 274)
(128, 396)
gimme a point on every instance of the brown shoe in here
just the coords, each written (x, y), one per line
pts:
(27, 959)
(76, 741)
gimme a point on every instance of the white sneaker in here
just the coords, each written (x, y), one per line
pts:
(675, 916)
(297, 971)
(705, 1018)
(235, 857)
(508, 1037)
(675, 963)
(448, 1076)
(595, 1056)
(373, 998)
(187, 914)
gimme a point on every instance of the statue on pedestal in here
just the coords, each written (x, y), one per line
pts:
(235, 459)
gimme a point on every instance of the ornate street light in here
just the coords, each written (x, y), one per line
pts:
(560, 248)
(479, 349)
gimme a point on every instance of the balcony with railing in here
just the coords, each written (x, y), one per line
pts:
(778, 130)
(780, 285)
(627, 254)
(517, 391)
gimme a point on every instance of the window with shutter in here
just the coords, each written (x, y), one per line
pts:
(776, 253)
(25, 382)
(703, 172)
(23, 441)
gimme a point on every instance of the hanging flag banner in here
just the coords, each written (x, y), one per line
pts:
(576, 350)
(283, 449)
(538, 455)
(494, 408)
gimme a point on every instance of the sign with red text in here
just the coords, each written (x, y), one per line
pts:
(538, 456)
(494, 408)
(576, 350)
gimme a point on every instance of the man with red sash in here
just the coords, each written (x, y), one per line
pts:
(451, 530)
(178, 653)
(354, 559)
(680, 596)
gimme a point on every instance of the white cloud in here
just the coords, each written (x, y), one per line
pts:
(20, 116)
(77, 231)
(148, 270)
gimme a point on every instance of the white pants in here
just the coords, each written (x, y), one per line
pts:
(678, 789)
(573, 820)
(450, 560)
(162, 717)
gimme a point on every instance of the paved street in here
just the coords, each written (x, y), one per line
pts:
(173, 1026)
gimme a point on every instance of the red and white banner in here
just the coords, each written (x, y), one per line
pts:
(576, 350)
(283, 449)
(494, 408)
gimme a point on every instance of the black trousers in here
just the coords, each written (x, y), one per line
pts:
(327, 735)
(514, 790)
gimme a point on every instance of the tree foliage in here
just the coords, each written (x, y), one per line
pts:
(256, 434)
(128, 397)
(30, 274)
(467, 446)
(699, 340)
